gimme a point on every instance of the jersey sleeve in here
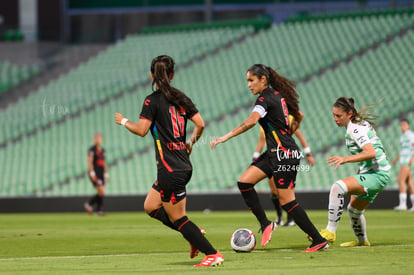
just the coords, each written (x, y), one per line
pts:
(192, 112)
(148, 110)
(261, 105)
(360, 135)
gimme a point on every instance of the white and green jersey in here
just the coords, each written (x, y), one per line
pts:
(359, 135)
(406, 147)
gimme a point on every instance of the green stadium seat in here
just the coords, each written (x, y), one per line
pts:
(217, 85)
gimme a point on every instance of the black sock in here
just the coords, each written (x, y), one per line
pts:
(289, 218)
(275, 200)
(162, 216)
(252, 200)
(192, 233)
(302, 220)
(93, 200)
(99, 203)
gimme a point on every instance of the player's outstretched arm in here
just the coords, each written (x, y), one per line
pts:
(141, 128)
(368, 152)
(246, 125)
(198, 131)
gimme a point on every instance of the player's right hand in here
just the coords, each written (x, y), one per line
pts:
(93, 178)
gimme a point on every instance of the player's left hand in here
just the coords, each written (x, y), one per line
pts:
(335, 160)
(118, 118)
(310, 160)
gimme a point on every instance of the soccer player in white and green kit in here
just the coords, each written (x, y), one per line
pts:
(372, 177)
(406, 157)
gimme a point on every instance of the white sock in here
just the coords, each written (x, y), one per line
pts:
(403, 199)
(358, 224)
(336, 205)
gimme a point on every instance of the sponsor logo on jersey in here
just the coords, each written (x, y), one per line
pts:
(176, 146)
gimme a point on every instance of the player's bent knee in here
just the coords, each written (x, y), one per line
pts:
(150, 207)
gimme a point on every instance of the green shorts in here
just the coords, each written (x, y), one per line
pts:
(373, 183)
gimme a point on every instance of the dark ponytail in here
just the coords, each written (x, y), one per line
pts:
(162, 69)
(281, 84)
(348, 105)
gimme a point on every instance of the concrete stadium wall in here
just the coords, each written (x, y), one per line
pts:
(195, 202)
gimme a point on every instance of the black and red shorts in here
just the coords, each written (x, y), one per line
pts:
(100, 180)
(171, 185)
(262, 162)
(283, 171)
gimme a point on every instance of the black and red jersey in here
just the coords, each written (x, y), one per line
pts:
(168, 130)
(98, 159)
(275, 123)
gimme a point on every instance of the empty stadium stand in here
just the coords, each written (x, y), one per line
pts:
(45, 136)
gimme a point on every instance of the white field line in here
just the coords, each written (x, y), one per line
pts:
(164, 253)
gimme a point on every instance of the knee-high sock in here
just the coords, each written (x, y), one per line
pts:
(99, 203)
(162, 216)
(252, 200)
(302, 220)
(403, 199)
(192, 233)
(358, 223)
(93, 200)
(275, 200)
(336, 204)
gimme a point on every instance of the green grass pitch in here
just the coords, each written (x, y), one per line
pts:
(134, 243)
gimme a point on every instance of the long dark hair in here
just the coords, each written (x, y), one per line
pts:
(281, 84)
(162, 69)
(348, 105)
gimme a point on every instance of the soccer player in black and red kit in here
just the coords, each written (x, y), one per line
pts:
(98, 174)
(165, 113)
(277, 99)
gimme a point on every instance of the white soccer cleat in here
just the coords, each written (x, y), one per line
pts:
(400, 208)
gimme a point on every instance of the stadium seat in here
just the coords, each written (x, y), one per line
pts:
(217, 85)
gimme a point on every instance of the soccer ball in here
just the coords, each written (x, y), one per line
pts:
(243, 240)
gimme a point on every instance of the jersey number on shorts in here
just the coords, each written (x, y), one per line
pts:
(177, 122)
(285, 110)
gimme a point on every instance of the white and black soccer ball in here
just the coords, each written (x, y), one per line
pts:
(243, 240)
